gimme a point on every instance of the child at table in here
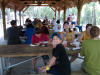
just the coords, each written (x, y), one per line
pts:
(38, 38)
(59, 63)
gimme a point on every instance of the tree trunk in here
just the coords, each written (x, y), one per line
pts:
(39, 14)
(64, 14)
(8, 14)
(32, 11)
(94, 15)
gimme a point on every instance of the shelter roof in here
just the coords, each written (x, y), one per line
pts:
(57, 4)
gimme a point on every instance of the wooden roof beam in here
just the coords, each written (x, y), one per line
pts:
(53, 9)
(6, 3)
(24, 9)
(42, 0)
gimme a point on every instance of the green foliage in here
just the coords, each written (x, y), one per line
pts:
(44, 11)
(88, 14)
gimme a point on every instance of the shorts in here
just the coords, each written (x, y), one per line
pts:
(45, 57)
(73, 23)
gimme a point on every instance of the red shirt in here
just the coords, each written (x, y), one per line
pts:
(36, 39)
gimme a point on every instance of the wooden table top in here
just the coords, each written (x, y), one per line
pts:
(24, 50)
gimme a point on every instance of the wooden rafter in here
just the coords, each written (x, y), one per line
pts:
(6, 3)
(57, 4)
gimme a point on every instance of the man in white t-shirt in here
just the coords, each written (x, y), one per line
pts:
(74, 19)
(58, 27)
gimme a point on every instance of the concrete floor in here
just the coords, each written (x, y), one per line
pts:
(27, 68)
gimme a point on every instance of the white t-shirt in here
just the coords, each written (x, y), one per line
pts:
(73, 18)
(58, 28)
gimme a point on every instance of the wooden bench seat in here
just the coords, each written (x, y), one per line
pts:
(39, 74)
(72, 73)
(78, 73)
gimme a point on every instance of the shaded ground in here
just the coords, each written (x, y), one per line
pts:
(27, 68)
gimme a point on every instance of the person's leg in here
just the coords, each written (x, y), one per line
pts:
(53, 71)
(45, 59)
(73, 57)
(34, 64)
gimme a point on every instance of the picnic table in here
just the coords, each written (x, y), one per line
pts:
(24, 50)
(7, 51)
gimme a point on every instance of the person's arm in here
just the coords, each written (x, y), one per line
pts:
(7, 33)
(52, 61)
(32, 41)
(82, 51)
(55, 55)
(45, 37)
(62, 35)
(20, 31)
(80, 38)
(73, 36)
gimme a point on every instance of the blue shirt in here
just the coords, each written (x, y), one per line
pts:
(29, 32)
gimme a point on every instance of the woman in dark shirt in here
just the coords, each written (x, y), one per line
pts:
(59, 63)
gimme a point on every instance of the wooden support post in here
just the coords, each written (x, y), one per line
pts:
(55, 13)
(20, 17)
(15, 13)
(4, 19)
(23, 17)
(64, 14)
(79, 8)
(58, 14)
(78, 15)
(1, 67)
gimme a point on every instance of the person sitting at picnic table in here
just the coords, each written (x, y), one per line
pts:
(69, 34)
(13, 34)
(63, 33)
(91, 52)
(59, 63)
(45, 29)
(39, 24)
(29, 32)
(85, 34)
(58, 27)
(38, 38)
